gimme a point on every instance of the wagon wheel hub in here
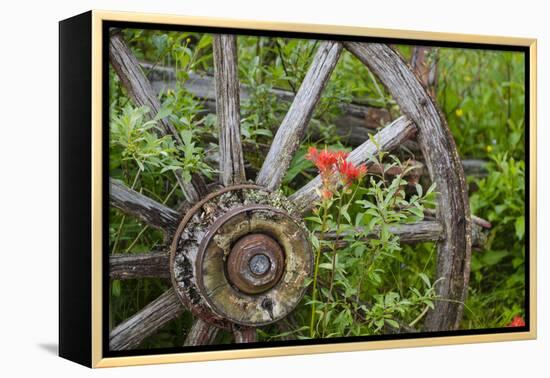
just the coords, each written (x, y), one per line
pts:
(241, 256)
(255, 263)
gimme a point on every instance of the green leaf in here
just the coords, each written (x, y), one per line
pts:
(205, 41)
(315, 242)
(344, 212)
(314, 219)
(264, 132)
(164, 112)
(419, 189)
(298, 165)
(520, 227)
(418, 212)
(186, 136)
(140, 164)
(493, 257)
(425, 278)
(115, 288)
(392, 323)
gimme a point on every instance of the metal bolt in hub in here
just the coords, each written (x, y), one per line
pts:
(255, 263)
(259, 264)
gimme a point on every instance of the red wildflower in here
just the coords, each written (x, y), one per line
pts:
(517, 322)
(341, 155)
(351, 172)
(312, 154)
(332, 166)
(326, 193)
(325, 160)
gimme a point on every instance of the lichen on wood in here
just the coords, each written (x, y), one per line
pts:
(204, 240)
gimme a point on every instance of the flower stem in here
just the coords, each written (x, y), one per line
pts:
(419, 317)
(333, 251)
(316, 271)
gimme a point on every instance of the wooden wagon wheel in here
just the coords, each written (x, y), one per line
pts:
(240, 254)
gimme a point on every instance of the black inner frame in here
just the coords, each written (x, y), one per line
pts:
(106, 25)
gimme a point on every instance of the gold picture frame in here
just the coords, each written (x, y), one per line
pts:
(96, 266)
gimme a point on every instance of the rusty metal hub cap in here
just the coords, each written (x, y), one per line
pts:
(255, 263)
(241, 255)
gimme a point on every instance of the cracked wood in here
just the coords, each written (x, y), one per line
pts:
(227, 109)
(124, 266)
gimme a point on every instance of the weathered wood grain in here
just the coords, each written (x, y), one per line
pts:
(444, 166)
(408, 233)
(228, 108)
(292, 128)
(424, 231)
(124, 266)
(389, 138)
(141, 92)
(201, 333)
(130, 333)
(245, 335)
(142, 207)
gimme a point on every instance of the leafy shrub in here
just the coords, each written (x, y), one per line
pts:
(498, 273)
(353, 299)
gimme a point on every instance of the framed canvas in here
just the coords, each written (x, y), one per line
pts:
(235, 189)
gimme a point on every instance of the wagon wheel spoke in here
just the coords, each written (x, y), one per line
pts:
(227, 109)
(292, 128)
(130, 333)
(201, 333)
(387, 139)
(245, 335)
(142, 207)
(124, 266)
(424, 231)
(142, 93)
(444, 165)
